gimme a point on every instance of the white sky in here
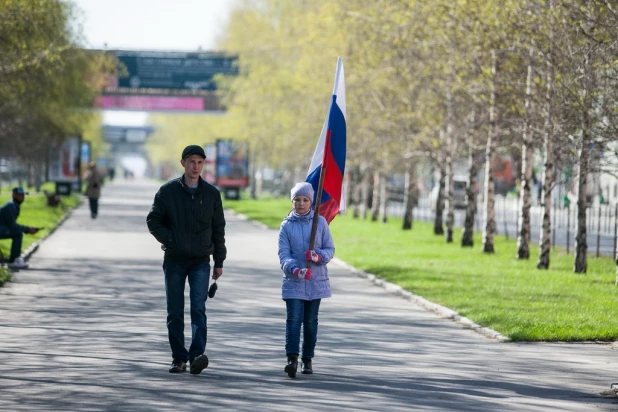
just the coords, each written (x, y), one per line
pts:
(183, 25)
(154, 24)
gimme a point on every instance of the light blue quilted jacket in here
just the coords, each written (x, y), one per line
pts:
(293, 243)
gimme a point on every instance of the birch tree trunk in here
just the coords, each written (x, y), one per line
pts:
(409, 196)
(489, 198)
(581, 245)
(348, 187)
(356, 198)
(438, 228)
(38, 180)
(252, 178)
(355, 192)
(383, 198)
(523, 231)
(450, 173)
(364, 192)
(30, 176)
(375, 206)
(467, 238)
(450, 201)
(548, 151)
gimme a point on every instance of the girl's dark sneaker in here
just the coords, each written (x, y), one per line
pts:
(307, 369)
(292, 365)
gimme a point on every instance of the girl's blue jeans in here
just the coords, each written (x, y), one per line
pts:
(301, 313)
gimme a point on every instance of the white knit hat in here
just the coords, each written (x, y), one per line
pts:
(302, 189)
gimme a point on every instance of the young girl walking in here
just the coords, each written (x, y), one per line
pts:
(303, 288)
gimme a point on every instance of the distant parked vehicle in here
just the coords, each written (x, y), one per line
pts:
(459, 193)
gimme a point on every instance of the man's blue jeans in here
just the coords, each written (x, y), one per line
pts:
(305, 313)
(176, 275)
(5, 233)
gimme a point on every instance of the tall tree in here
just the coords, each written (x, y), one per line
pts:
(523, 233)
(489, 197)
(467, 238)
(548, 145)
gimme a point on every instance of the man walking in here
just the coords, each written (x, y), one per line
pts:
(187, 219)
(10, 229)
(94, 183)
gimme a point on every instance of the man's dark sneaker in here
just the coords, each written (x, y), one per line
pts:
(307, 369)
(178, 366)
(292, 365)
(198, 364)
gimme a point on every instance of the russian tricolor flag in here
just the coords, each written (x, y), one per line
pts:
(330, 153)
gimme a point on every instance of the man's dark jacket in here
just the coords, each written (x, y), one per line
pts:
(190, 226)
(8, 218)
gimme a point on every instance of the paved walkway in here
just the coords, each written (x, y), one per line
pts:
(84, 329)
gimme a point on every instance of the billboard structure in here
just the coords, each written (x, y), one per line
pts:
(167, 81)
(210, 164)
(126, 134)
(85, 157)
(65, 165)
(174, 70)
(232, 167)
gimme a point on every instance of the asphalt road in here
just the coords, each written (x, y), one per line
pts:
(84, 330)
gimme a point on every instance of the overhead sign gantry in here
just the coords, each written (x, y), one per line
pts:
(167, 81)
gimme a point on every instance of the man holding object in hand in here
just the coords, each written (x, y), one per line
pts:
(10, 229)
(187, 219)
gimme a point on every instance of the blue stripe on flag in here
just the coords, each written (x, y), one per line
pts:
(314, 179)
(337, 126)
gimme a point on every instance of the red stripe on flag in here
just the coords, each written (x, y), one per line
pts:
(333, 179)
(329, 209)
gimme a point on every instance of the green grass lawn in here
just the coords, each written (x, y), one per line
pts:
(494, 290)
(35, 212)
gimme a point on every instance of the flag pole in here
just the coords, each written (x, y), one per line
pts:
(316, 214)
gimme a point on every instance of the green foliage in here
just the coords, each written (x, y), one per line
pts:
(496, 291)
(44, 76)
(402, 60)
(417, 73)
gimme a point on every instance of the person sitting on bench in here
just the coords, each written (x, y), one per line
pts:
(10, 229)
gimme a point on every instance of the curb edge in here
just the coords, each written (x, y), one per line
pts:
(442, 311)
(397, 290)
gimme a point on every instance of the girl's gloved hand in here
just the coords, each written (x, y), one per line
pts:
(302, 273)
(313, 256)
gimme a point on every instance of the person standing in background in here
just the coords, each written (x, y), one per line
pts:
(94, 183)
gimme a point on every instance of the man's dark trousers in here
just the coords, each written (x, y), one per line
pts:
(17, 237)
(94, 205)
(176, 274)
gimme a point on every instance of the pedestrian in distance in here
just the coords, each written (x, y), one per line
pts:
(187, 219)
(303, 288)
(10, 229)
(94, 183)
